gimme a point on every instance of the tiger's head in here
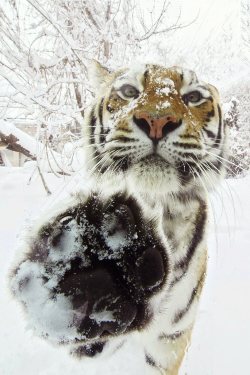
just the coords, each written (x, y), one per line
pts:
(160, 129)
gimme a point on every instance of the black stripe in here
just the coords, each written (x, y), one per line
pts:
(126, 131)
(92, 125)
(150, 361)
(214, 165)
(103, 168)
(146, 74)
(171, 337)
(122, 163)
(218, 138)
(92, 133)
(108, 106)
(185, 172)
(89, 350)
(210, 114)
(100, 115)
(224, 124)
(181, 313)
(183, 264)
(185, 136)
(209, 133)
(189, 156)
(186, 197)
(124, 139)
(187, 145)
(222, 120)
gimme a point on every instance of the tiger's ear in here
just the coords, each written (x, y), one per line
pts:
(97, 74)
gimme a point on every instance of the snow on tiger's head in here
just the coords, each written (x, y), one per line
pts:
(158, 128)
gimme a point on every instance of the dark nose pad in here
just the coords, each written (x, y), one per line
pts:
(156, 127)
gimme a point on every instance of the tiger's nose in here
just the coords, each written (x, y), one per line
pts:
(156, 127)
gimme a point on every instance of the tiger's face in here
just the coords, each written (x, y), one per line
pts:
(159, 128)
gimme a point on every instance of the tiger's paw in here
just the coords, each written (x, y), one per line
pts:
(91, 271)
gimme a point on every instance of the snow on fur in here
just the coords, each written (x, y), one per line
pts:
(48, 316)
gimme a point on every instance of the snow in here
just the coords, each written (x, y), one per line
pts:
(69, 244)
(53, 318)
(103, 316)
(221, 336)
(169, 86)
(116, 241)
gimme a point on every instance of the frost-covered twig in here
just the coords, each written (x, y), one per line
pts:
(43, 180)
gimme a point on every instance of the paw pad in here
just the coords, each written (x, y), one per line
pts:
(106, 260)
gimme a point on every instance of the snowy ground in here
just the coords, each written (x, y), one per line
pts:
(220, 344)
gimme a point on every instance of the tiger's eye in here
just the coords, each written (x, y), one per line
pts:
(192, 97)
(129, 91)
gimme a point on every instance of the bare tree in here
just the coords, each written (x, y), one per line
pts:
(46, 45)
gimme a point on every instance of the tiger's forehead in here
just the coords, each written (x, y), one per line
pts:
(156, 76)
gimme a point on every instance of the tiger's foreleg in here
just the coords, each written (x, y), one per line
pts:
(168, 338)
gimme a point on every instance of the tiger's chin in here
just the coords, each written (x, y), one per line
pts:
(155, 176)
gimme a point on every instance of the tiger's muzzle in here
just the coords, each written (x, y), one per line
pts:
(154, 126)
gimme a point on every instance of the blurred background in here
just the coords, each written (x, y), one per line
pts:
(46, 46)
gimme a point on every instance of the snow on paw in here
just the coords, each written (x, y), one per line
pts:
(91, 270)
(50, 316)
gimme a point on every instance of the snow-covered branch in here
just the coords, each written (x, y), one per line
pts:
(16, 140)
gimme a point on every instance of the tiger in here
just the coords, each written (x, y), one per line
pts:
(126, 262)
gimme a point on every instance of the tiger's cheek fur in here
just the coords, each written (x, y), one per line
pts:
(197, 118)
